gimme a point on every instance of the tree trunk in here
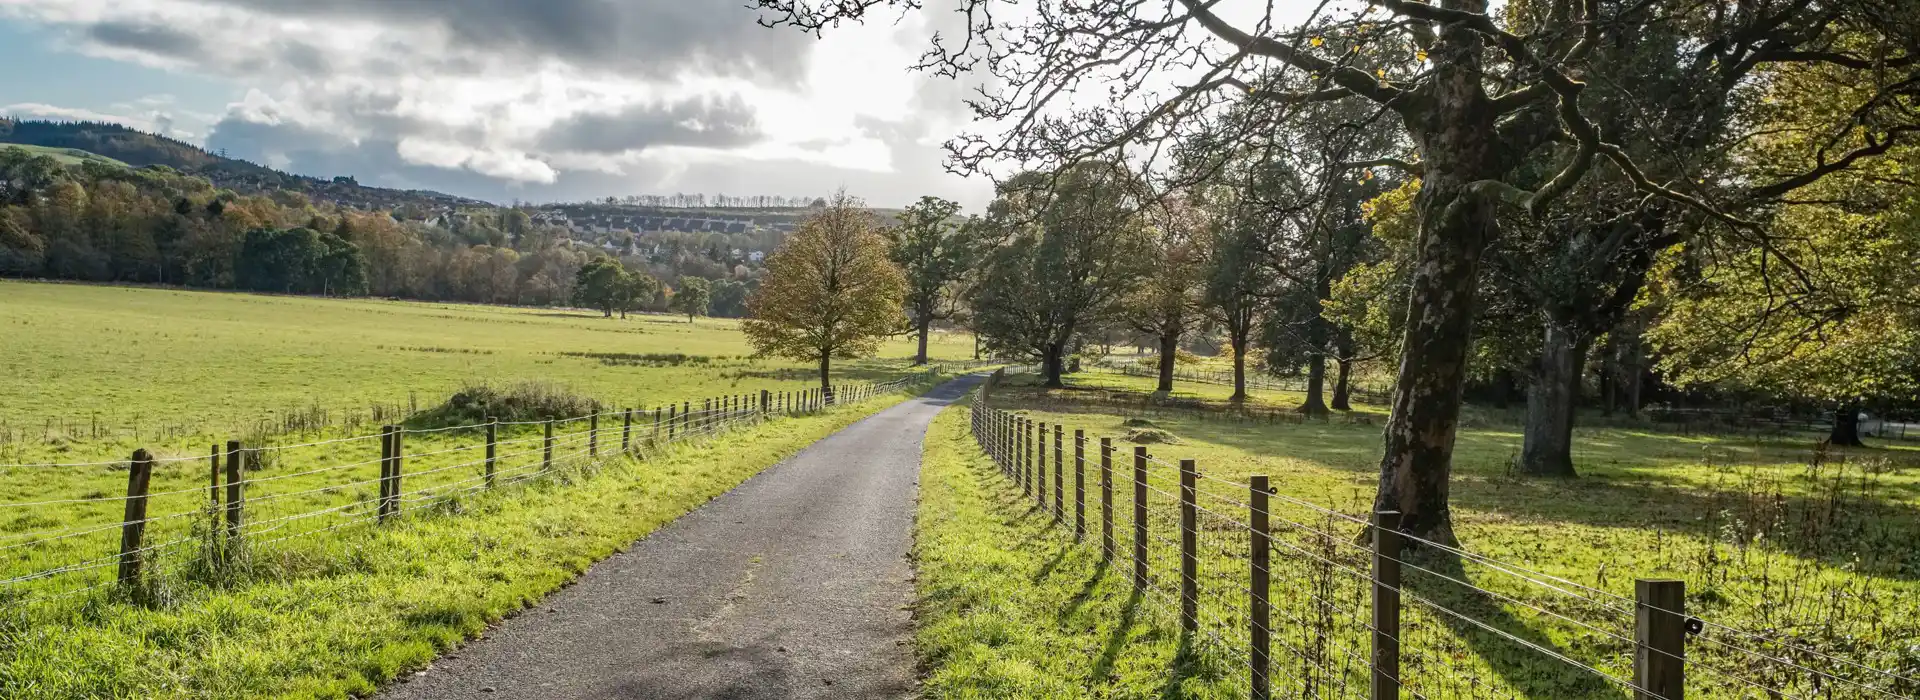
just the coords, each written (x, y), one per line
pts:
(1341, 391)
(1239, 370)
(1846, 427)
(1316, 403)
(924, 324)
(1458, 144)
(1169, 349)
(826, 365)
(1547, 448)
(1054, 365)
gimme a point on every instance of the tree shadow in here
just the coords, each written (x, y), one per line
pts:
(1532, 672)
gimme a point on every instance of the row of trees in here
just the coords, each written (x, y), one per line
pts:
(1724, 192)
(104, 223)
(697, 200)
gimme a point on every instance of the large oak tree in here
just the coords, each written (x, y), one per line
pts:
(1482, 100)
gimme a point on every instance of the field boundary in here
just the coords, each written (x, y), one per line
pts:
(222, 534)
(1386, 613)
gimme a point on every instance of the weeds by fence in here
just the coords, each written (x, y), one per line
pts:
(178, 521)
(1277, 597)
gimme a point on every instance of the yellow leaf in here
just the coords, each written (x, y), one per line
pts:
(1318, 41)
(1382, 72)
(1420, 55)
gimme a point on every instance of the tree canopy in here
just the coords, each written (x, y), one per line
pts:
(830, 293)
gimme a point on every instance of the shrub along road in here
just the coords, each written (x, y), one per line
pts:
(796, 584)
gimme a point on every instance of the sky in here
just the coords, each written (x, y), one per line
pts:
(554, 100)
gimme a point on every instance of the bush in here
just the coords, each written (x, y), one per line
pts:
(525, 401)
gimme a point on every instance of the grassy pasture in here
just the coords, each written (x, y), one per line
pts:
(336, 614)
(91, 372)
(1820, 556)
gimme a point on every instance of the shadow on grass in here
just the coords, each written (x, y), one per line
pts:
(1532, 672)
(1867, 529)
(1117, 640)
(1185, 664)
(1079, 600)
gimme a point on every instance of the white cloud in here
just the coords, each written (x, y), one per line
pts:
(667, 86)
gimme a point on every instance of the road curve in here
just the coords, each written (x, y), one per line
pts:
(795, 584)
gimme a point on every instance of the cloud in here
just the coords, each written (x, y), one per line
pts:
(707, 122)
(149, 38)
(509, 99)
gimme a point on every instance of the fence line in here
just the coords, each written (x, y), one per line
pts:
(1393, 615)
(226, 529)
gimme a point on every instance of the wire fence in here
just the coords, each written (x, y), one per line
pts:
(1288, 598)
(202, 517)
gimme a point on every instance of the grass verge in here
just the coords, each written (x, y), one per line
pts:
(336, 616)
(1010, 607)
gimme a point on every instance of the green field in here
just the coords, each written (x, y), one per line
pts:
(319, 601)
(1794, 564)
(66, 156)
(94, 372)
(332, 613)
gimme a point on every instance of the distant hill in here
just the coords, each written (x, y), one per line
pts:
(67, 156)
(113, 143)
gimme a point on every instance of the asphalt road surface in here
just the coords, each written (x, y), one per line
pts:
(795, 584)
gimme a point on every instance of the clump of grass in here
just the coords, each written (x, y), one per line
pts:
(523, 401)
(1151, 436)
(648, 359)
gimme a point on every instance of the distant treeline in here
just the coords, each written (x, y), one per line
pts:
(103, 223)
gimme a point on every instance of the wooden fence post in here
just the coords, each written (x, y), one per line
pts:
(386, 472)
(1140, 516)
(134, 526)
(706, 414)
(1189, 549)
(1059, 477)
(546, 447)
(1660, 639)
(593, 436)
(399, 457)
(493, 434)
(236, 494)
(1026, 449)
(656, 426)
(1259, 609)
(1386, 605)
(766, 405)
(1040, 469)
(670, 421)
(1106, 499)
(213, 484)
(1079, 484)
(626, 430)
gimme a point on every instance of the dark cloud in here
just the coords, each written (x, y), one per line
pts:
(149, 38)
(654, 39)
(704, 122)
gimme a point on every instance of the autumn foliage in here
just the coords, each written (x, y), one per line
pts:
(830, 291)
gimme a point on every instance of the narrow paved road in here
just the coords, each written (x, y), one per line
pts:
(796, 584)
